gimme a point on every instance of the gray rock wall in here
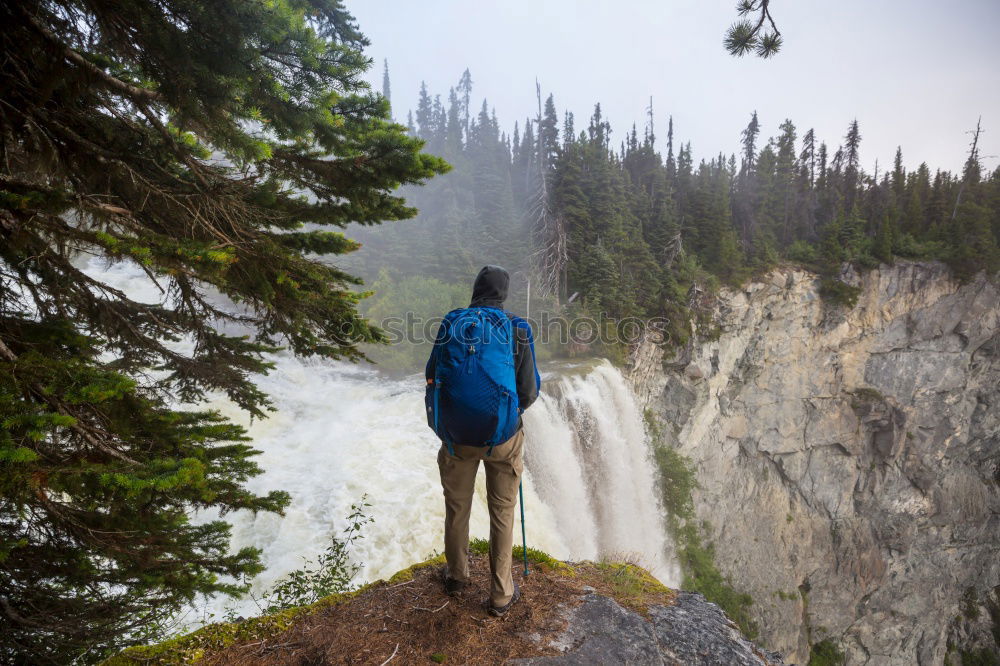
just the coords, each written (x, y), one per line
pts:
(689, 632)
(848, 459)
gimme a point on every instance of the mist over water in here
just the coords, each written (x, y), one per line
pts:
(342, 432)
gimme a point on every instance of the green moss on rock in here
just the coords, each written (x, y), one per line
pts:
(189, 648)
(631, 585)
(407, 573)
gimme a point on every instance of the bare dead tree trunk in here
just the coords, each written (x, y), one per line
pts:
(551, 257)
(973, 157)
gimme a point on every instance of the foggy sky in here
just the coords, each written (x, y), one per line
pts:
(915, 73)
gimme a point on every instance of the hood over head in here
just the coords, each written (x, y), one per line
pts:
(490, 287)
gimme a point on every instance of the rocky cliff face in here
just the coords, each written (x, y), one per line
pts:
(848, 458)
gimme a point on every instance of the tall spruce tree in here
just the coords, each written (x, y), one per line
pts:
(386, 87)
(192, 140)
(745, 199)
(852, 166)
(465, 90)
(786, 172)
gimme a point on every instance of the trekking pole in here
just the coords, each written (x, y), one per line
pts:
(524, 537)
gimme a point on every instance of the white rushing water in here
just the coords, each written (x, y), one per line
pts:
(345, 431)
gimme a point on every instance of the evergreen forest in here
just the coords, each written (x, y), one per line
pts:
(633, 224)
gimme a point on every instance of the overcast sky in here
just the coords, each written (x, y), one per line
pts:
(915, 73)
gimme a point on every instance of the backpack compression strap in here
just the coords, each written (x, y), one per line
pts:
(437, 395)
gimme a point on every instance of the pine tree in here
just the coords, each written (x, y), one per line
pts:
(808, 155)
(822, 159)
(898, 176)
(548, 133)
(749, 136)
(465, 90)
(425, 114)
(883, 241)
(745, 199)
(438, 138)
(386, 88)
(192, 140)
(522, 167)
(973, 244)
(805, 212)
(786, 172)
(671, 165)
(852, 166)
(454, 127)
(768, 209)
(568, 131)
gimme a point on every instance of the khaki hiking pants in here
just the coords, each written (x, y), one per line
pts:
(458, 478)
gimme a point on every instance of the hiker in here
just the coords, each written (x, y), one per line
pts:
(481, 376)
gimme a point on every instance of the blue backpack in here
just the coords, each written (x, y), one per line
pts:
(472, 398)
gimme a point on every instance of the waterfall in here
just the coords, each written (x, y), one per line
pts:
(344, 431)
(589, 462)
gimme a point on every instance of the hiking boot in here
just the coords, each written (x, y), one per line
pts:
(451, 586)
(502, 610)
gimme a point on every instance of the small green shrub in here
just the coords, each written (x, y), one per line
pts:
(332, 573)
(479, 546)
(826, 653)
(993, 607)
(677, 481)
(538, 557)
(970, 604)
(701, 575)
(803, 252)
(653, 426)
(839, 293)
(979, 657)
(867, 394)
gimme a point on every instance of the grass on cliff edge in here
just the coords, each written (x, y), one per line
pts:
(410, 615)
(697, 559)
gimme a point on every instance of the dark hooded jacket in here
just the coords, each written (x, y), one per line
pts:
(490, 289)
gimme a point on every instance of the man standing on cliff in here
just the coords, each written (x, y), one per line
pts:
(481, 375)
